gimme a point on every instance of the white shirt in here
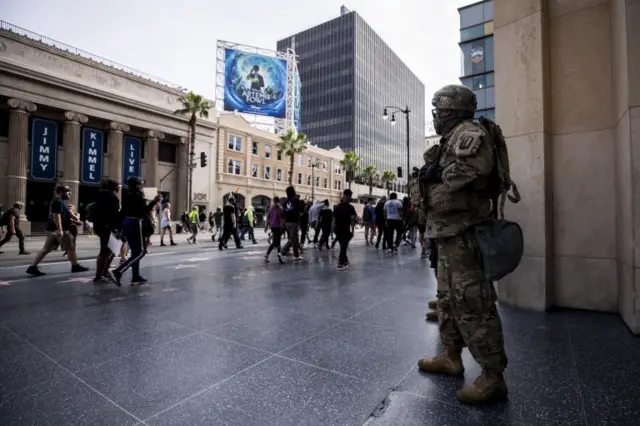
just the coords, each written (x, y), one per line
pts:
(393, 209)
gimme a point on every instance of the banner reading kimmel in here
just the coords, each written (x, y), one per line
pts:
(255, 84)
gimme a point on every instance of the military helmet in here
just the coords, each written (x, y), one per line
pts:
(455, 97)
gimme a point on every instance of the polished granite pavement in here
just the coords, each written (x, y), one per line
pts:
(223, 339)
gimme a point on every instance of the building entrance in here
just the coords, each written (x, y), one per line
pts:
(39, 195)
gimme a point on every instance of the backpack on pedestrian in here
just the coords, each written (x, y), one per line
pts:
(501, 242)
(366, 214)
(92, 212)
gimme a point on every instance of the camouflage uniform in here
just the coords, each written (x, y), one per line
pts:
(466, 300)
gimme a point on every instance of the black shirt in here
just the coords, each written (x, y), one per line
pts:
(325, 217)
(217, 218)
(292, 210)
(10, 215)
(135, 206)
(343, 214)
(108, 211)
(58, 206)
(228, 213)
(379, 214)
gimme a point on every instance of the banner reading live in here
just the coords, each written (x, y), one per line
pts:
(44, 149)
(132, 150)
(92, 155)
(255, 84)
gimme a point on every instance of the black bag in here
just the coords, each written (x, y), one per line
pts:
(5, 220)
(92, 212)
(501, 245)
(366, 215)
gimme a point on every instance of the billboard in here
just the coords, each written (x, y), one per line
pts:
(297, 102)
(92, 155)
(131, 158)
(255, 84)
(44, 149)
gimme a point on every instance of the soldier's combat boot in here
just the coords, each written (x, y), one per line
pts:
(487, 389)
(448, 362)
(432, 316)
(433, 304)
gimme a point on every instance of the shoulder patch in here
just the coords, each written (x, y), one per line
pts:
(468, 144)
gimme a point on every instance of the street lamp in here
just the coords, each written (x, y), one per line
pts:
(405, 111)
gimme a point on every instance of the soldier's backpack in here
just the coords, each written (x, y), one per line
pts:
(501, 242)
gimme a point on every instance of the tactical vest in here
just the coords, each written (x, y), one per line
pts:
(452, 213)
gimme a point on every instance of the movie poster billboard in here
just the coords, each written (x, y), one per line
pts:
(297, 106)
(255, 84)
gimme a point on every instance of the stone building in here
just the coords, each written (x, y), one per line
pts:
(250, 166)
(69, 117)
(567, 79)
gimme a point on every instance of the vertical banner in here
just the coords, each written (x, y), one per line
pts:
(132, 150)
(44, 149)
(92, 155)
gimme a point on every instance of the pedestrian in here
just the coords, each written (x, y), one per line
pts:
(275, 222)
(73, 227)
(314, 215)
(381, 224)
(369, 222)
(344, 216)
(136, 227)
(248, 224)
(292, 210)
(166, 225)
(325, 221)
(11, 220)
(57, 233)
(217, 220)
(202, 217)
(393, 215)
(304, 224)
(211, 224)
(105, 213)
(229, 224)
(193, 224)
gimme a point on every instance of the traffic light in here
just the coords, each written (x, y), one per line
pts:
(203, 159)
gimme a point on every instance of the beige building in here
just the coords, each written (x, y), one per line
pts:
(55, 98)
(567, 76)
(250, 166)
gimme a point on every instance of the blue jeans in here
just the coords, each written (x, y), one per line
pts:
(132, 230)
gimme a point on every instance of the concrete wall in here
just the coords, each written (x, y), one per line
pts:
(567, 77)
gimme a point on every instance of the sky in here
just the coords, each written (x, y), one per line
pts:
(176, 40)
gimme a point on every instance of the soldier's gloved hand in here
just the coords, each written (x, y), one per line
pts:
(430, 174)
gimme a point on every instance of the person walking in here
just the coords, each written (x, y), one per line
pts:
(314, 215)
(393, 214)
(381, 223)
(11, 219)
(105, 214)
(166, 225)
(292, 210)
(344, 215)
(136, 226)
(275, 222)
(193, 224)
(57, 229)
(217, 220)
(325, 221)
(369, 222)
(229, 224)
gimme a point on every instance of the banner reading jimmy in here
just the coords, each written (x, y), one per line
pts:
(255, 84)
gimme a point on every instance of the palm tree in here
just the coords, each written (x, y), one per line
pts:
(193, 106)
(370, 175)
(291, 144)
(387, 177)
(350, 164)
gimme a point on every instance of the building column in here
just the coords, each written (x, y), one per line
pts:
(182, 200)
(72, 147)
(116, 131)
(152, 138)
(18, 152)
(522, 79)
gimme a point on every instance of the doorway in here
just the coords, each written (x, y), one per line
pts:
(36, 206)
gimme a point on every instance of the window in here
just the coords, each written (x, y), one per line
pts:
(482, 98)
(267, 151)
(167, 152)
(234, 167)
(279, 175)
(490, 82)
(470, 33)
(310, 161)
(254, 148)
(477, 56)
(325, 165)
(326, 182)
(337, 169)
(254, 170)
(337, 185)
(309, 180)
(235, 143)
(267, 172)
(300, 160)
(279, 155)
(491, 102)
(299, 178)
(470, 16)
(318, 181)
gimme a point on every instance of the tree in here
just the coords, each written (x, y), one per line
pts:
(387, 177)
(193, 106)
(350, 164)
(370, 175)
(292, 144)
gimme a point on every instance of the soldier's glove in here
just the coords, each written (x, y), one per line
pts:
(430, 174)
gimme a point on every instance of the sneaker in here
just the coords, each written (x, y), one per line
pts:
(78, 268)
(173, 244)
(189, 240)
(342, 267)
(195, 242)
(280, 258)
(220, 248)
(266, 258)
(100, 280)
(162, 244)
(138, 281)
(115, 277)
(298, 259)
(24, 253)
(33, 270)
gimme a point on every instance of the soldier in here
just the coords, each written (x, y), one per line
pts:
(418, 200)
(458, 187)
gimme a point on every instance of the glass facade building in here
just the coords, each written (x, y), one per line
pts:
(348, 74)
(476, 44)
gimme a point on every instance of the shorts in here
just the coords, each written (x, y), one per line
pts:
(65, 242)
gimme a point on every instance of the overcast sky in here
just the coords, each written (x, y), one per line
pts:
(176, 40)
